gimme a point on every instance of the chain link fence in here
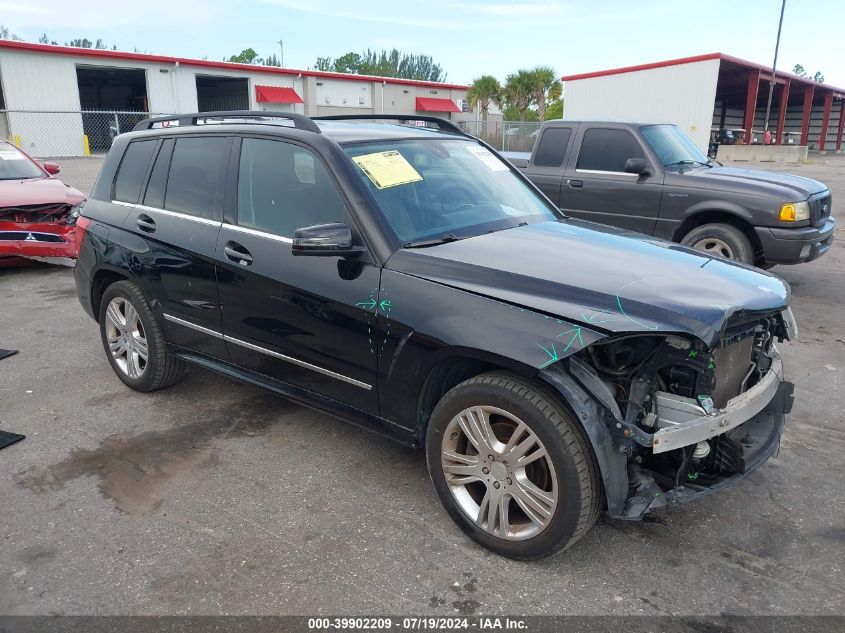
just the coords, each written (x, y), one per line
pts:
(79, 140)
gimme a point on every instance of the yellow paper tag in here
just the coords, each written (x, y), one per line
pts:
(387, 169)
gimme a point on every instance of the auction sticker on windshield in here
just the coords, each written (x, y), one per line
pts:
(489, 160)
(8, 153)
(387, 169)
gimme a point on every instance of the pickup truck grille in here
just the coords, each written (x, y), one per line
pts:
(820, 209)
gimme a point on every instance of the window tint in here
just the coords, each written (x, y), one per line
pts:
(283, 187)
(607, 150)
(154, 197)
(133, 168)
(552, 147)
(197, 175)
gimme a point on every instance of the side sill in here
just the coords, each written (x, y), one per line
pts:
(304, 397)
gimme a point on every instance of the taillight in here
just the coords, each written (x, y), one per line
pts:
(81, 226)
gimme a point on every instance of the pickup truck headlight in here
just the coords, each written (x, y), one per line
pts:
(795, 211)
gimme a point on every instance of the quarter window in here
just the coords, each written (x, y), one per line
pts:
(607, 150)
(133, 169)
(552, 147)
(283, 187)
(195, 184)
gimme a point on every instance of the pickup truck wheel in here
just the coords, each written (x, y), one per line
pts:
(512, 467)
(721, 240)
(133, 340)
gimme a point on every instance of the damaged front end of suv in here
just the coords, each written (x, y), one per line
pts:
(680, 418)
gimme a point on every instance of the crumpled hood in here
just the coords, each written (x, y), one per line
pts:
(601, 277)
(15, 193)
(786, 186)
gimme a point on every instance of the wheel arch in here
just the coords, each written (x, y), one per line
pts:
(716, 215)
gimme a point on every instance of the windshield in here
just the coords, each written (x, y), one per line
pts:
(672, 146)
(15, 165)
(428, 189)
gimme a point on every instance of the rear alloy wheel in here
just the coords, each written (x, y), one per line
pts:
(133, 340)
(721, 240)
(512, 466)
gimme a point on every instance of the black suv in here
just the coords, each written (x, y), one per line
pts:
(404, 277)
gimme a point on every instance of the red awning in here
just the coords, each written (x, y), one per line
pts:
(425, 104)
(274, 94)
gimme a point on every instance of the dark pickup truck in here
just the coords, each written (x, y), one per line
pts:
(653, 179)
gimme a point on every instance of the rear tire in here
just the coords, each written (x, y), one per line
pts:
(133, 340)
(516, 504)
(721, 240)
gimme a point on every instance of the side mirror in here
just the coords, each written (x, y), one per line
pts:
(636, 166)
(324, 240)
(52, 168)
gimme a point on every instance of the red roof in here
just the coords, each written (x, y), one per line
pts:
(164, 59)
(275, 94)
(702, 58)
(428, 104)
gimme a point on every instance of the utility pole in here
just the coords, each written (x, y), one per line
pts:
(282, 47)
(774, 65)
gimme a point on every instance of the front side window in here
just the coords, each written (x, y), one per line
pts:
(607, 150)
(15, 165)
(283, 187)
(133, 169)
(429, 188)
(197, 176)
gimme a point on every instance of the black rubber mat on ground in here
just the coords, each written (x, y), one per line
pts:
(7, 352)
(7, 439)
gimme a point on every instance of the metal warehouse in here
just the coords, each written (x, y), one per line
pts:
(66, 101)
(714, 98)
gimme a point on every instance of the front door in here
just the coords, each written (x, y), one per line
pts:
(304, 320)
(597, 188)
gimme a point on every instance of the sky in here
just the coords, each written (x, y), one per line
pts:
(467, 38)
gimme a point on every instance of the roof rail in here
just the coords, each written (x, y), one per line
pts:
(300, 121)
(442, 124)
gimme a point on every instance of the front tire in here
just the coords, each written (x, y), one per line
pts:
(721, 240)
(513, 467)
(133, 340)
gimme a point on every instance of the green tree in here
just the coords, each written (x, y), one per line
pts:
(555, 110)
(798, 69)
(6, 34)
(545, 89)
(484, 92)
(392, 63)
(818, 77)
(272, 61)
(246, 56)
(519, 91)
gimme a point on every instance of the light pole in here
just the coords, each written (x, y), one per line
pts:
(282, 47)
(774, 65)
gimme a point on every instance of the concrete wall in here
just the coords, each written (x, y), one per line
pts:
(681, 94)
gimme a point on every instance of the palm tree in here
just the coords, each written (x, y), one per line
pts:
(546, 88)
(483, 92)
(518, 92)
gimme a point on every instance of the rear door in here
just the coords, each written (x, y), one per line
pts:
(172, 235)
(595, 186)
(306, 321)
(547, 160)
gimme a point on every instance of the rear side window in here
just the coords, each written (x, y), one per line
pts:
(552, 147)
(195, 184)
(607, 150)
(154, 197)
(133, 169)
(283, 187)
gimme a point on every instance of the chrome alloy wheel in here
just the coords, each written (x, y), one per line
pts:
(499, 473)
(714, 246)
(125, 334)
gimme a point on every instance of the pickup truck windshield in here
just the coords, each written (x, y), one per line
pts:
(443, 190)
(673, 147)
(15, 165)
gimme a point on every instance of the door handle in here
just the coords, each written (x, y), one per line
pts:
(575, 184)
(146, 223)
(236, 253)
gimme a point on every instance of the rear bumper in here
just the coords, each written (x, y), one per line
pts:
(798, 245)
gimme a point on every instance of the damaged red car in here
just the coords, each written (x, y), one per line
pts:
(37, 211)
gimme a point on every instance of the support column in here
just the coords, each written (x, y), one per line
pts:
(841, 124)
(751, 104)
(828, 104)
(807, 111)
(784, 104)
